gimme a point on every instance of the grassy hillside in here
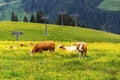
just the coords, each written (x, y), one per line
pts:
(113, 5)
(102, 62)
(35, 32)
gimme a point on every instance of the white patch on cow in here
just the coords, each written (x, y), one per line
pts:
(67, 48)
(70, 48)
(80, 47)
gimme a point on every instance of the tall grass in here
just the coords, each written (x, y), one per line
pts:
(102, 63)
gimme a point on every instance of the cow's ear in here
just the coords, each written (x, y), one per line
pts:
(83, 45)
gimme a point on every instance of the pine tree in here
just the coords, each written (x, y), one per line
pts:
(59, 20)
(32, 18)
(16, 18)
(39, 17)
(25, 19)
(67, 20)
(12, 16)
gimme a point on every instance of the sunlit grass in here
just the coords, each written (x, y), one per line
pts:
(102, 63)
(36, 32)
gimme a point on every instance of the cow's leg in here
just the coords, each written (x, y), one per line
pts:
(82, 53)
(79, 54)
(32, 52)
(51, 50)
(85, 54)
(40, 50)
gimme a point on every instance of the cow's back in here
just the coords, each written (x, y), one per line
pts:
(46, 44)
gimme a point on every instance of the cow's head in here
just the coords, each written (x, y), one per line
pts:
(61, 46)
(80, 47)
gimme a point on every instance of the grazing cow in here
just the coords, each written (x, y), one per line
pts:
(68, 48)
(76, 43)
(22, 45)
(12, 47)
(43, 46)
(81, 48)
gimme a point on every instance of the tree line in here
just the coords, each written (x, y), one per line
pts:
(34, 18)
(38, 18)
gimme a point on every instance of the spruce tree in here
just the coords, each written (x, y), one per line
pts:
(39, 17)
(67, 20)
(25, 19)
(59, 19)
(12, 16)
(32, 18)
(16, 18)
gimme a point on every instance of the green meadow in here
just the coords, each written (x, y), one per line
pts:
(102, 62)
(113, 5)
(36, 32)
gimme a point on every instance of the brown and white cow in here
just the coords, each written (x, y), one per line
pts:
(43, 46)
(67, 48)
(81, 48)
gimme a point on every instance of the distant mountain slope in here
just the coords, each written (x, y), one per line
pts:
(10, 6)
(50, 7)
(113, 5)
(35, 32)
(53, 7)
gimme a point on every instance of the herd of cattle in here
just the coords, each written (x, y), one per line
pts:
(80, 47)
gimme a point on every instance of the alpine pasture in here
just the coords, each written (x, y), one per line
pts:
(113, 5)
(102, 62)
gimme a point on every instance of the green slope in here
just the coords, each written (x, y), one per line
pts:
(113, 5)
(35, 32)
